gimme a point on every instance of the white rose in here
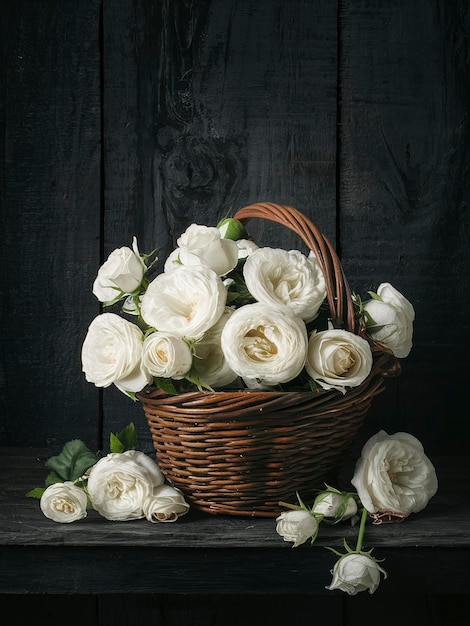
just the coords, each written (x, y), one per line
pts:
(297, 526)
(166, 356)
(120, 275)
(337, 359)
(204, 245)
(265, 342)
(184, 302)
(275, 276)
(245, 248)
(209, 360)
(393, 317)
(354, 572)
(166, 504)
(111, 353)
(394, 474)
(334, 504)
(120, 483)
(64, 502)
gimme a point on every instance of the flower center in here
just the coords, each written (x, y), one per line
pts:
(162, 355)
(63, 506)
(258, 347)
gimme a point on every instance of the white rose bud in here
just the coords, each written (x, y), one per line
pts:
(337, 359)
(394, 474)
(166, 504)
(204, 245)
(64, 502)
(297, 526)
(335, 505)
(120, 483)
(392, 320)
(232, 229)
(354, 572)
(120, 275)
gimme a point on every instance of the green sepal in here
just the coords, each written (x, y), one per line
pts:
(36, 492)
(73, 461)
(301, 503)
(131, 395)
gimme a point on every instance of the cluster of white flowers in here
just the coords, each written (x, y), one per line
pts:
(225, 312)
(120, 486)
(393, 478)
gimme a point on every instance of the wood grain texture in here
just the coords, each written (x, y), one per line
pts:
(404, 193)
(50, 199)
(209, 567)
(208, 107)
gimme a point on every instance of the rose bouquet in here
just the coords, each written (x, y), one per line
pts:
(255, 365)
(227, 314)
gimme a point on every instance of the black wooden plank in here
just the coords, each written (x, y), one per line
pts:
(101, 569)
(404, 93)
(208, 108)
(220, 610)
(50, 199)
(23, 524)
(217, 555)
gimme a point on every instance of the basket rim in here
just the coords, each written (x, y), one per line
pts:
(385, 366)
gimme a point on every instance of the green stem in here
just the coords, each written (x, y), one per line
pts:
(294, 507)
(362, 529)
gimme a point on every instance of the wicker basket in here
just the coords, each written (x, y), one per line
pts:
(241, 452)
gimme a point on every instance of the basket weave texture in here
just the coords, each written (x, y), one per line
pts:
(241, 452)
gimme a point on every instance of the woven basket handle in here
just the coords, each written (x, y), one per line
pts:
(337, 289)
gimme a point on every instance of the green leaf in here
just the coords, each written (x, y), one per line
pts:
(192, 377)
(126, 439)
(73, 461)
(36, 492)
(52, 478)
(114, 444)
(166, 385)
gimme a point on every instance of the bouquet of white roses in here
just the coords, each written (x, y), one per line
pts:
(225, 313)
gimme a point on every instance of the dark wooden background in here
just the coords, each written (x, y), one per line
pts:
(138, 117)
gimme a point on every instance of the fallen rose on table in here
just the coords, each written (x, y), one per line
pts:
(124, 485)
(393, 478)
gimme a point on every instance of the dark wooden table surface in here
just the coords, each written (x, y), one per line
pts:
(427, 553)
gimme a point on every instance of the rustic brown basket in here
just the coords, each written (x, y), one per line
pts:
(241, 452)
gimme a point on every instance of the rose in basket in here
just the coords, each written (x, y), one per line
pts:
(227, 314)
